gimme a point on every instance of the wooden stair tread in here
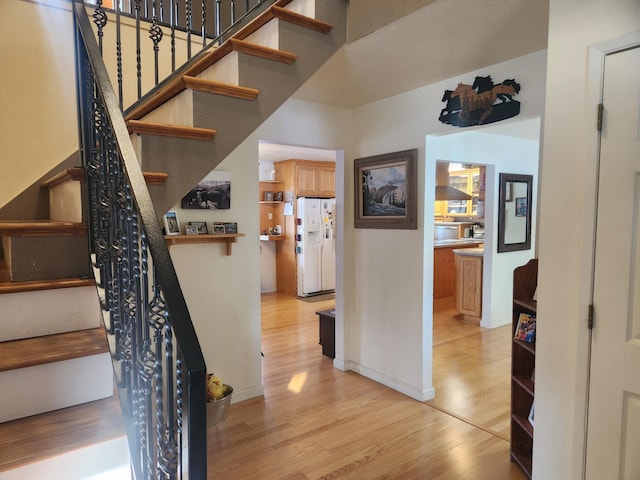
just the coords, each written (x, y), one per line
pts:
(77, 174)
(30, 352)
(29, 228)
(39, 437)
(237, 43)
(277, 11)
(7, 286)
(167, 130)
(263, 52)
(73, 174)
(220, 88)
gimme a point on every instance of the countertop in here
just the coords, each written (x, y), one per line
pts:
(470, 252)
(459, 242)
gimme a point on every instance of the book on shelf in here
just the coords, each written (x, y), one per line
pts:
(526, 328)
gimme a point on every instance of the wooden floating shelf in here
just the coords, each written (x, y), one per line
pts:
(228, 238)
(267, 238)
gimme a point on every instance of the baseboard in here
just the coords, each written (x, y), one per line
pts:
(408, 390)
(247, 393)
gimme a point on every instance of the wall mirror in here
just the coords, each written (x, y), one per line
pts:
(514, 212)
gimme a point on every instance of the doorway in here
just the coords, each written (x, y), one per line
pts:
(511, 148)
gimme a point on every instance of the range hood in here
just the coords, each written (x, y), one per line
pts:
(443, 190)
(450, 193)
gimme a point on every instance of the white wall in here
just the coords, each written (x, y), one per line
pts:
(391, 298)
(505, 155)
(566, 226)
(223, 292)
(38, 118)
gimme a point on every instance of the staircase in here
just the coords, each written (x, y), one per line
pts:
(54, 354)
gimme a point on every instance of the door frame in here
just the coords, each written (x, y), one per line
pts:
(597, 54)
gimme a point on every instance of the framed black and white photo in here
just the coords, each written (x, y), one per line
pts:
(218, 228)
(190, 229)
(171, 223)
(213, 192)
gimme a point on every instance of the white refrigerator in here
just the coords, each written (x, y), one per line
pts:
(315, 246)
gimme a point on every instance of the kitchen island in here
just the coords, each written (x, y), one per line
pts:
(444, 270)
(468, 292)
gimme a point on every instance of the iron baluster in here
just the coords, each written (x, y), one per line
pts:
(138, 58)
(233, 12)
(189, 21)
(155, 34)
(204, 23)
(173, 17)
(119, 54)
(100, 19)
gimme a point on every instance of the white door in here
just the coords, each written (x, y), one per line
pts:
(613, 436)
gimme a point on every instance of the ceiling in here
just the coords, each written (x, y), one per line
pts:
(444, 39)
(441, 40)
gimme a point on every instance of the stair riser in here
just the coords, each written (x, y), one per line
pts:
(65, 202)
(43, 388)
(106, 460)
(45, 312)
(46, 257)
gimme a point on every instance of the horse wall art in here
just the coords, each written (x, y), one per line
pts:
(476, 104)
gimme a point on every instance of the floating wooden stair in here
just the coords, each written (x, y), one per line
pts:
(166, 130)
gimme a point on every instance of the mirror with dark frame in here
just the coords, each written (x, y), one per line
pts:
(514, 212)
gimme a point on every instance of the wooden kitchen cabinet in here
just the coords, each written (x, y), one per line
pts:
(468, 292)
(308, 178)
(444, 270)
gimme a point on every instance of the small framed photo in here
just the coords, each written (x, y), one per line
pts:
(201, 226)
(268, 196)
(190, 229)
(521, 206)
(279, 196)
(171, 223)
(218, 228)
(231, 227)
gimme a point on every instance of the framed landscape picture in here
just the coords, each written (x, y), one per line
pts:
(385, 190)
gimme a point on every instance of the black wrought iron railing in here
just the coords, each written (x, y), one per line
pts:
(158, 363)
(134, 33)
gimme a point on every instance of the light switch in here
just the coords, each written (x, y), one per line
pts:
(270, 216)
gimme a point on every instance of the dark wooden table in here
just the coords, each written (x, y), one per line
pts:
(328, 332)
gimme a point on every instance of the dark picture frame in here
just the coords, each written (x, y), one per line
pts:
(514, 224)
(386, 191)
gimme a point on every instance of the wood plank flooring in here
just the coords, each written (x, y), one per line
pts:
(316, 422)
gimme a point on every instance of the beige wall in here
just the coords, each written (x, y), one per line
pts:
(38, 120)
(366, 16)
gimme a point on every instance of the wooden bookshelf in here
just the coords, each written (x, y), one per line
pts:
(523, 357)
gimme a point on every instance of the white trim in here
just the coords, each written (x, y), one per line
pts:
(420, 395)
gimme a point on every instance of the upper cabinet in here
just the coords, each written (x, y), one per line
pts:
(309, 179)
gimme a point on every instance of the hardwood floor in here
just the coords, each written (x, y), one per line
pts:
(316, 422)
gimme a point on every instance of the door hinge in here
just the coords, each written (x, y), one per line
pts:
(600, 112)
(590, 319)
